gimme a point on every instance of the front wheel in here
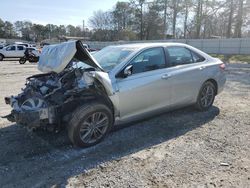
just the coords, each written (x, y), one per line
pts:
(206, 96)
(22, 60)
(1, 57)
(89, 124)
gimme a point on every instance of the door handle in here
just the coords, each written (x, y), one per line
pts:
(166, 76)
(202, 67)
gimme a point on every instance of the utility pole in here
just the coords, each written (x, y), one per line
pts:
(230, 20)
(239, 19)
(83, 28)
(49, 32)
(141, 6)
(165, 19)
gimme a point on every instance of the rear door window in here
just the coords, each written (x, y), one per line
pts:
(178, 56)
(20, 47)
(197, 57)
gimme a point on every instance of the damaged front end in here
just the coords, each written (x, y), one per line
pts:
(49, 99)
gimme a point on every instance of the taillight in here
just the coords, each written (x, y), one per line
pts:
(222, 66)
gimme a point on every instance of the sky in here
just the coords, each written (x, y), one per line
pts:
(59, 12)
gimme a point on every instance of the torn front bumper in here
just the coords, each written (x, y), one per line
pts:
(32, 119)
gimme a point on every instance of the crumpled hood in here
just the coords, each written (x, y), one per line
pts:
(54, 58)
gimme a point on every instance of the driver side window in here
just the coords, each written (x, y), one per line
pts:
(11, 48)
(148, 60)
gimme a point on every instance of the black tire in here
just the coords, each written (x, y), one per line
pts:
(80, 123)
(1, 57)
(22, 60)
(206, 96)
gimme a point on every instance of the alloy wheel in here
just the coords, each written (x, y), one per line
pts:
(32, 104)
(207, 96)
(94, 127)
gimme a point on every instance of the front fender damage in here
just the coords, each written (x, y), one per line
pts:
(103, 77)
(48, 99)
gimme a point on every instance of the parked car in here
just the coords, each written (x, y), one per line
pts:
(89, 94)
(33, 45)
(31, 54)
(23, 44)
(12, 51)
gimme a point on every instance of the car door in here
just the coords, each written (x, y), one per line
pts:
(147, 88)
(20, 51)
(186, 72)
(10, 51)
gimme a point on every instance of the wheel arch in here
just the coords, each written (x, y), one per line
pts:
(103, 97)
(68, 108)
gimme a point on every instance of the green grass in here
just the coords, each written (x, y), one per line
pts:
(244, 58)
(234, 58)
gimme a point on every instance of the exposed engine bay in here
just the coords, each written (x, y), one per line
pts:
(48, 99)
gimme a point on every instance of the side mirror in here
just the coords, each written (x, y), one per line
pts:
(128, 70)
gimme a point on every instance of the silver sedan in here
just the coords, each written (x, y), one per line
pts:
(151, 78)
(154, 77)
(117, 84)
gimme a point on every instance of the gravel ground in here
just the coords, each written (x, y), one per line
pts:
(183, 148)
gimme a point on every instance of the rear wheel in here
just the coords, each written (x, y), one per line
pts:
(206, 96)
(1, 57)
(22, 60)
(89, 124)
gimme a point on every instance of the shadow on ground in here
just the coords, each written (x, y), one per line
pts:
(39, 159)
(12, 59)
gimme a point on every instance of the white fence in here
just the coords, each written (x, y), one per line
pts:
(236, 46)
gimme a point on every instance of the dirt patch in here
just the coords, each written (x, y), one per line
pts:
(183, 148)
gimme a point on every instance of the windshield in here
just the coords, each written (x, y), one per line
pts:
(107, 57)
(111, 56)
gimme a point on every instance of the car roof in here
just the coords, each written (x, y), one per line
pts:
(146, 45)
(141, 46)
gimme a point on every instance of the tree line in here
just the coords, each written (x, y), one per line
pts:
(29, 31)
(161, 19)
(148, 20)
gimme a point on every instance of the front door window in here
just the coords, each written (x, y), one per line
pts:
(148, 60)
